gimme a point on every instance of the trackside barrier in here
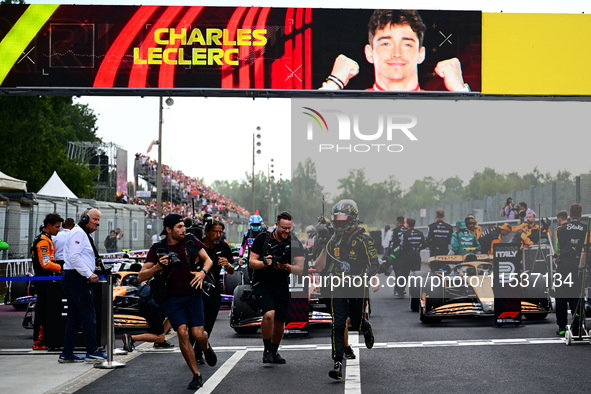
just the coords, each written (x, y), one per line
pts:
(109, 363)
(20, 271)
(23, 267)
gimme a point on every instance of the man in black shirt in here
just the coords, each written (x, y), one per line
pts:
(570, 241)
(410, 255)
(391, 251)
(273, 257)
(439, 235)
(397, 234)
(221, 255)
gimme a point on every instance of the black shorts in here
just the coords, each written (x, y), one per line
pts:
(154, 317)
(273, 298)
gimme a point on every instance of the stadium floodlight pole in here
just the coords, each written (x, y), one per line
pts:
(169, 102)
(258, 136)
(270, 178)
(159, 168)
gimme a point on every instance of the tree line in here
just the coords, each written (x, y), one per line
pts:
(381, 202)
(35, 132)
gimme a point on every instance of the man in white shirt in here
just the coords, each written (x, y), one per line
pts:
(78, 273)
(61, 241)
(387, 237)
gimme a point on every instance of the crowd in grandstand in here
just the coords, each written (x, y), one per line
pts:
(191, 196)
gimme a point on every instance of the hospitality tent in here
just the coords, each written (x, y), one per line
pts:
(9, 183)
(55, 187)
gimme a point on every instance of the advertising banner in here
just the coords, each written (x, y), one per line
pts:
(142, 47)
(121, 172)
(507, 283)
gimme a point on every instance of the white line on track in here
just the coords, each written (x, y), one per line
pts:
(308, 347)
(221, 373)
(353, 370)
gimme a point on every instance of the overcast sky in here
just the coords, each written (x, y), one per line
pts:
(211, 138)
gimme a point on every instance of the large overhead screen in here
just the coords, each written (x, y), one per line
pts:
(182, 47)
(229, 49)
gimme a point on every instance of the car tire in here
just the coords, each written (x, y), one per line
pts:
(19, 289)
(414, 292)
(241, 311)
(433, 296)
(428, 319)
(231, 281)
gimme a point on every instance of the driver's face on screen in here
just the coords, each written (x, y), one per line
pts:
(395, 53)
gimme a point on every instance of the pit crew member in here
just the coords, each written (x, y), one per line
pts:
(273, 257)
(571, 238)
(472, 225)
(439, 235)
(349, 253)
(44, 264)
(463, 241)
(493, 236)
(393, 248)
(410, 254)
(221, 255)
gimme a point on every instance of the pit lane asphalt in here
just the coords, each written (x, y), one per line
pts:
(464, 355)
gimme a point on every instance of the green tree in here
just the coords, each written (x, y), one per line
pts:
(378, 203)
(422, 194)
(452, 190)
(387, 201)
(240, 191)
(563, 176)
(355, 186)
(35, 131)
(488, 182)
(306, 197)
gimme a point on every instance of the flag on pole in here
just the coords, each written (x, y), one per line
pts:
(151, 145)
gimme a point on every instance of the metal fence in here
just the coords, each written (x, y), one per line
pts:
(21, 216)
(546, 201)
(21, 219)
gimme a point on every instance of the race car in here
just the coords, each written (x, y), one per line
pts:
(455, 288)
(245, 317)
(126, 301)
(20, 294)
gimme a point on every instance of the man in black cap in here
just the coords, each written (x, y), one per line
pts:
(180, 262)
